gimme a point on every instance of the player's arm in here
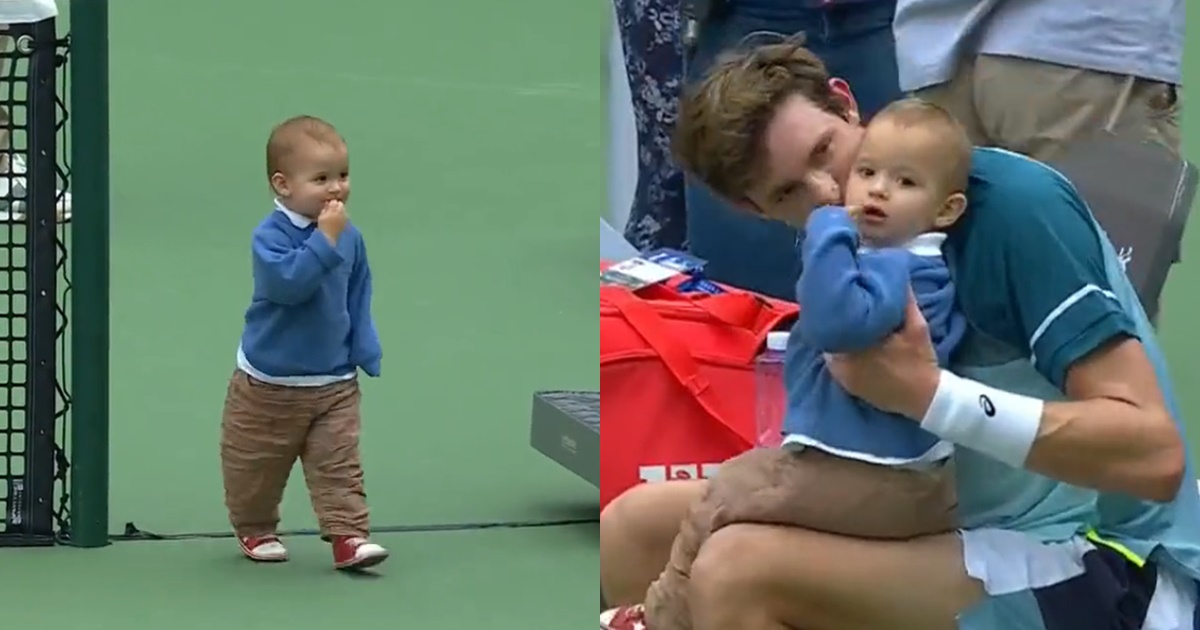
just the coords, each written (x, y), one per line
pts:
(1114, 432)
(365, 350)
(286, 274)
(848, 301)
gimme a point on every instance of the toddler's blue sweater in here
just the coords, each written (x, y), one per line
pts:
(850, 300)
(310, 314)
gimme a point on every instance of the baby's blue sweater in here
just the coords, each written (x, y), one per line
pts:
(310, 314)
(851, 299)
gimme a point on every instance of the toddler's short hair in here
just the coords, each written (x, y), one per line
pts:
(287, 137)
(956, 144)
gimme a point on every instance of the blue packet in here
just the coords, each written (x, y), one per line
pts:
(699, 284)
(688, 265)
(682, 262)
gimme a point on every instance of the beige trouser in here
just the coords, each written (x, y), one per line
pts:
(265, 428)
(803, 488)
(1035, 108)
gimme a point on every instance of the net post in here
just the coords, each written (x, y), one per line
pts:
(37, 42)
(90, 272)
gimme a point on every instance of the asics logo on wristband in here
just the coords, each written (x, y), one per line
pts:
(985, 403)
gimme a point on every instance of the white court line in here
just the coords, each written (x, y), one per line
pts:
(559, 91)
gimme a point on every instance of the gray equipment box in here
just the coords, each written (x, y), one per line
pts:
(566, 428)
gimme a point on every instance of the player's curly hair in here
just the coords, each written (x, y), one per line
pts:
(722, 120)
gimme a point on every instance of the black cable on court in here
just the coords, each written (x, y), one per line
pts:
(134, 533)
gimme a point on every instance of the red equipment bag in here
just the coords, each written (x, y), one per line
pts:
(677, 387)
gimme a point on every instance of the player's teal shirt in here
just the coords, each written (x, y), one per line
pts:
(1042, 287)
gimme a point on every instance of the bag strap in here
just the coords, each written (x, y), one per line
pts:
(674, 354)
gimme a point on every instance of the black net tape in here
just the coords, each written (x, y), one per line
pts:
(34, 402)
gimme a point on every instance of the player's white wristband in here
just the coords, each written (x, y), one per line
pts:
(997, 423)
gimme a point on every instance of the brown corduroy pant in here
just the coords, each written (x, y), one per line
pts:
(265, 428)
(803, 488)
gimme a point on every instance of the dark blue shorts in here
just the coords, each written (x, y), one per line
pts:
(1112, 594)
(1076, 585)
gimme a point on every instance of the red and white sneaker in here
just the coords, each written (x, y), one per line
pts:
(356, 552)
(263, 548)
(624, 618)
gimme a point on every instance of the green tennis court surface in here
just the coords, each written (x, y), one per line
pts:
(477, 136)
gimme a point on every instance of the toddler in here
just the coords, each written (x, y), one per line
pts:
(845, 467)
(308, 332)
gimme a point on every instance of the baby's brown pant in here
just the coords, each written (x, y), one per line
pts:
(265, 427)
(805, 488)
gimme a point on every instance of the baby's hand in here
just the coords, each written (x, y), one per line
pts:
(332, 220)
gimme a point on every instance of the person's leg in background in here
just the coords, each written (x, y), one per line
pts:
(650, 33)
(854, 39)
(12, 164)
(957, 96)
(622, 136)
(1037, 108)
